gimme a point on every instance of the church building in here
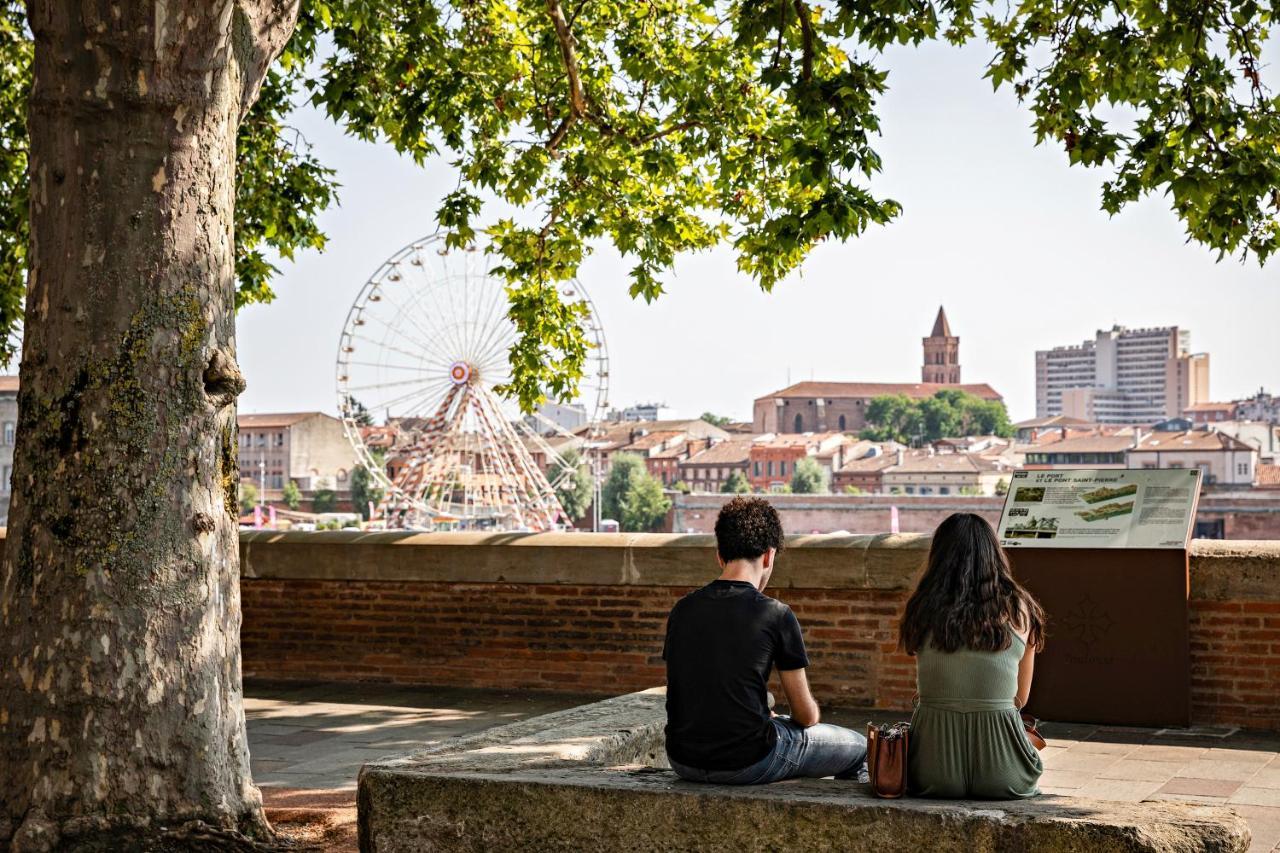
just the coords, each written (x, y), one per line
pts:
(841, 406)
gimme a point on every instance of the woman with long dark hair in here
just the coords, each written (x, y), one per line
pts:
(974, 632)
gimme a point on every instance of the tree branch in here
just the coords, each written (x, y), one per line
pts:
(569, 53)
(806, 30)
(259, 31)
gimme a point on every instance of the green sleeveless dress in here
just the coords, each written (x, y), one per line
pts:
(967, 739)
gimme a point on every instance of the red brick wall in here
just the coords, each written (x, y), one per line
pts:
(1235, 663)
(608, 640)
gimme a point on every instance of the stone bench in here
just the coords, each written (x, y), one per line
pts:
(594, 778)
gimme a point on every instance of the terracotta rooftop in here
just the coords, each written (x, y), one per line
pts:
(282, 419)
(917, 390)
(798, 439)
(733, 451)
(1091, 443)
(1198, 439)
(922, 462)
(870, 464)
(1268, 476)
(1052, 421)
(1211, 407)
(654, 439)
(8, 384)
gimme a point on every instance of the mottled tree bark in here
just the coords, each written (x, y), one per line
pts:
(120, 687)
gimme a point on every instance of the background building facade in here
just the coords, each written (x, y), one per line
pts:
(309, 448)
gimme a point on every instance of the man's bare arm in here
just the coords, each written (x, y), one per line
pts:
(804, 709)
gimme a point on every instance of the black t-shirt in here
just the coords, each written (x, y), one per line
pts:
(722, 641)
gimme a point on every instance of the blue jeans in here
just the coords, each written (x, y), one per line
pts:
(813, 753)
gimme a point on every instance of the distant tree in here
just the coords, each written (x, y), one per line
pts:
(736, 484)
(853, 490)
(682, 487)
(577, 490)
(715, 420)
(808, 478)
(324, 500)
(360, 413)
(363, 491)
(625, 470)
(248, 497)
(1002, 486)
(292, 495)
(970, 491)
(644, 507)
(893, 417)
(950, 413)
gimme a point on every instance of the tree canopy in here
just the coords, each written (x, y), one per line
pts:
(947, 414)
(736, 483)
(675, 125)
(578, 489)
(808, 477)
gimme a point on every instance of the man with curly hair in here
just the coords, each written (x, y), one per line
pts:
(722, 642)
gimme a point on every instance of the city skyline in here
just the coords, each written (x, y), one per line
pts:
(1003, 234)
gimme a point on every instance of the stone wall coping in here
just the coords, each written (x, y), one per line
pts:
(1220, 570)
(585, 778)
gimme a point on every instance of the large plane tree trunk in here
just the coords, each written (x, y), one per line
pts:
(120, 691)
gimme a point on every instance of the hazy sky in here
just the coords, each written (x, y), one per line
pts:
(1005, 235)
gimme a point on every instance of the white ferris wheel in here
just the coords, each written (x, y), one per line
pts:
(423, 347)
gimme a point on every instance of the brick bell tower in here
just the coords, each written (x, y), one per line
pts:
(941, 354)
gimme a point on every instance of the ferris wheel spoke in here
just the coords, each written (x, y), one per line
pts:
(373, 386)
(428, 393)
(422, 346)
(386, 366)
(431, 339)
(385, 345)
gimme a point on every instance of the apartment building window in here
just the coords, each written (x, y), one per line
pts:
(799, 423)
(911, 490)
(277, 480)
(1175, 465)
(944, 490)
(1148, 465)
(279, 442)
(8, 435)
(1242, 468)
(842, 423)
(782, 469)
(770, 467)
(245, 439)
(757, 468)
(262, 439)
(8, 475)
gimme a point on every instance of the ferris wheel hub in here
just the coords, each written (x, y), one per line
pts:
(461, 372)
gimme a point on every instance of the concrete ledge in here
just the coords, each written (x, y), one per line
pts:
(1232, 570)
(552, 783)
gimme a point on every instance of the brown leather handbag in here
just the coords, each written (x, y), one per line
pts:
(887, 758)
(1030, 723)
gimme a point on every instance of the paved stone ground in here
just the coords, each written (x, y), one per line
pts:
(308, 741)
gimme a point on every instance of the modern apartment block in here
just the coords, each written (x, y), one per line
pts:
(1122, 376)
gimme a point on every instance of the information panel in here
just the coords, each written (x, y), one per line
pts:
(1100, 508)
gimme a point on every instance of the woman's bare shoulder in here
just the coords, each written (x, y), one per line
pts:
(1021, 623)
